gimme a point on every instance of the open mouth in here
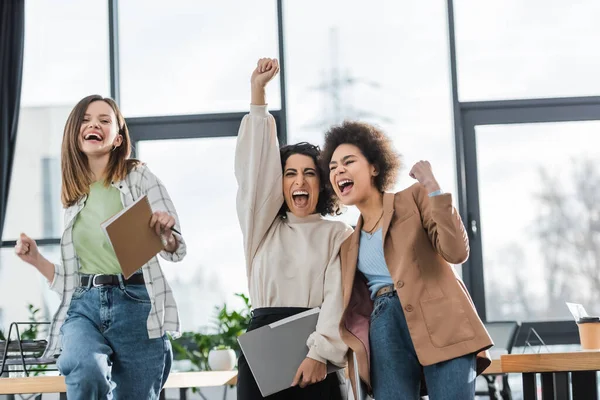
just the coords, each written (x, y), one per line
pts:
(300, 198)
(345, 186)
(93, 137)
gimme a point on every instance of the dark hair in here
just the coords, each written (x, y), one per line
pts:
(328, 202)
(375, 145)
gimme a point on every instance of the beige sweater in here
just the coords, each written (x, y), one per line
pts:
(290, 262)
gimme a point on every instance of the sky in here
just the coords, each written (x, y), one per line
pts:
(391, 61)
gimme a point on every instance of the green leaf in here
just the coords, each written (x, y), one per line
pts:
(228, 324)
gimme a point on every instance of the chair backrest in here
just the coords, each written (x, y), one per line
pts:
(504, 334)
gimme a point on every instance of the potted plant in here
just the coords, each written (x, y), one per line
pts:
(221, 358)
(196, 347)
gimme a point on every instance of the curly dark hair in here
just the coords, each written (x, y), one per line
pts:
(374, 144)
(328, 203)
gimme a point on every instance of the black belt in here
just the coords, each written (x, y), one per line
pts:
(110, 280)
(287, 311)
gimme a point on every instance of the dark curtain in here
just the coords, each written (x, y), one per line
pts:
(12, 35)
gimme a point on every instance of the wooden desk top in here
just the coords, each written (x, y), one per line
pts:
(38, 384)
(56, 384)
(551, 362)
(495, 368)
(201, 379)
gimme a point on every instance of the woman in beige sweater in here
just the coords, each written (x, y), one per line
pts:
(291, 252)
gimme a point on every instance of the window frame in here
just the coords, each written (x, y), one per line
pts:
(179, 126)
(466, 116)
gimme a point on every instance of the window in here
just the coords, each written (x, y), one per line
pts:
(204, 195)
(540, 218)
(193, 56)
(61, 66)
(66, 52)
(527, 49)
(386, 64)
(34, 205)
(21, 285)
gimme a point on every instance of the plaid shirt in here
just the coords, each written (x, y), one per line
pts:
(163, 315)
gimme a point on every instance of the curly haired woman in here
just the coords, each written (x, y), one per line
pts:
(407, 315)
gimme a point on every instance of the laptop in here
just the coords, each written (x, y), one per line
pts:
(275, 351)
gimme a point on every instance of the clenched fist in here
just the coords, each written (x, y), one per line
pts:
(423, 173)
(27, 250)
(265, 70)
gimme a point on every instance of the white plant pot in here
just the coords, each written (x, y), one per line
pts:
(221, 360)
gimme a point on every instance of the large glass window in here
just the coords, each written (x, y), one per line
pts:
(34, 205)
(199, 176)
(513, 49)
(193, 56)
(66, 52)
(386, 64)
(539, 186)
(21, 285)
(66, 59)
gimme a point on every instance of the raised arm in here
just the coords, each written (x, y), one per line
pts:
(258, 165)
(439, 217)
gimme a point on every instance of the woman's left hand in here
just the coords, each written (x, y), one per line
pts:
(310, 372)
(162, 222)
(422, 172)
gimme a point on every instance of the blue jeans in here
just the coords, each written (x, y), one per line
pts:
(395, 369)
(106, 352)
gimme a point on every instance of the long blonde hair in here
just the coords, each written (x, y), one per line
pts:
(76, 173)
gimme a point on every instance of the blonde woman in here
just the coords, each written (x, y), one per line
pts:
(111, 330)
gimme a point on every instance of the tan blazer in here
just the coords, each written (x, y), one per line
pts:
(421, 236)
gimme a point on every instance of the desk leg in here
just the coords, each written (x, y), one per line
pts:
(547, 385)
(63, 396)
(561, 385)
(585, 385)
(529, 386)
(183, 394)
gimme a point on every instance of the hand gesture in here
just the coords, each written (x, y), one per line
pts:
(265, 70)
(423, 173)
(27, 250)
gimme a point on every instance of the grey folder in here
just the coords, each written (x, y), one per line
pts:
(275, 351)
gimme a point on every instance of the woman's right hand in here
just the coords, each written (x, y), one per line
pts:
(266, 69)
(27, 250)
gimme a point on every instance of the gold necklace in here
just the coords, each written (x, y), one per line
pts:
(370, 232)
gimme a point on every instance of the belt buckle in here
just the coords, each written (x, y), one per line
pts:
(94, 284)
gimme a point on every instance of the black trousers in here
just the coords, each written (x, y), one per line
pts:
(333, 387)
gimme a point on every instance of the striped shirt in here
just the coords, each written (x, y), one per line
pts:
(163, 316)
